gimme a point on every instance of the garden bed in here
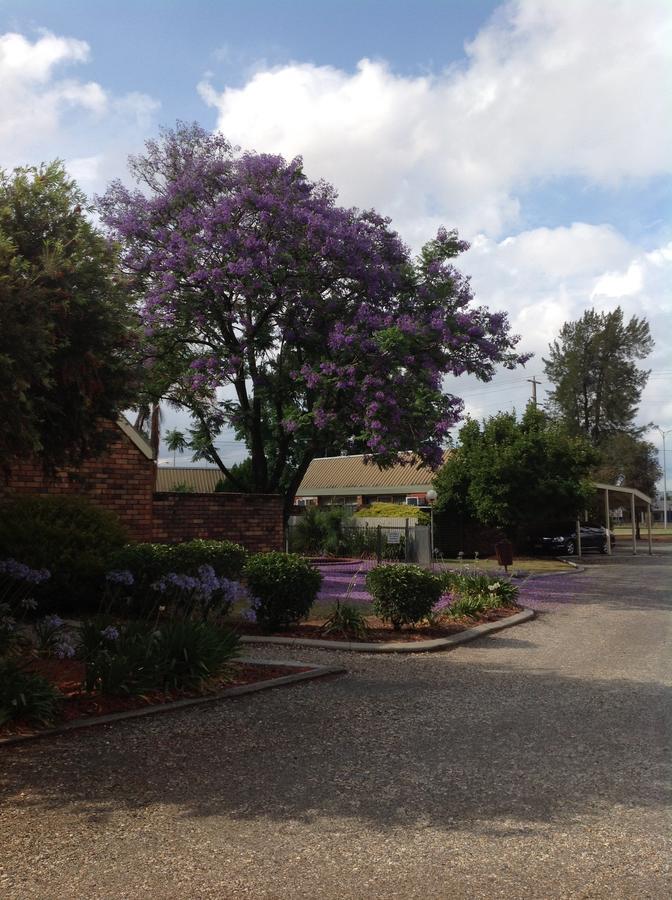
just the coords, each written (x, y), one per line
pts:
(67, 675)
(380, 632)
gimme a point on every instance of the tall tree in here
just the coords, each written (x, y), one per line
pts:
(593, 367)
(625, 456)
(67, 331)
(516, 474)
(314, 319)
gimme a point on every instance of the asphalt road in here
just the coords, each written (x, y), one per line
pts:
(530, 764)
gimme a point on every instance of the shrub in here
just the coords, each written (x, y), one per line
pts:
(69, 536)
(502, 593)
(204, 595)
(471, 607)
(131, 659)
(186, 653)
(117, 659)
(346, 619)
(403, 594)
(52, 638)
(321, 531)
(472, 584)
(17, 583)
(149, 563)
(284, 588)
(26, 695)
(393, 510)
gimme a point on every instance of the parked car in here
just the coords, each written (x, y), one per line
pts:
(562, 541)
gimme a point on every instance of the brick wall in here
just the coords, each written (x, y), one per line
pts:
(253, 520)
(121, 479)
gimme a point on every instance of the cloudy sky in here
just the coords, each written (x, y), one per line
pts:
(540, 128)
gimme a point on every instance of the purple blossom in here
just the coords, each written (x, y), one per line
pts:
(110, 633)
(318, 311)
(121, 576)
(21, 572)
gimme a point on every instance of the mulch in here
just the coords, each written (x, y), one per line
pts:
(68, 675)
(378, 631)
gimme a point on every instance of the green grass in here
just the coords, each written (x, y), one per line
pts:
(523, 563)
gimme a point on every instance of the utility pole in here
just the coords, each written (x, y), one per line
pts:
(533, 381)
(664, 434)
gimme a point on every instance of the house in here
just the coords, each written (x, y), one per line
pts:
(351, 482)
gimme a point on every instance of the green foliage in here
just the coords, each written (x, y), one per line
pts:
(117, 660)
(186, 653)
(394, 510)
(68, 535)
(240, 479)
(513, 474)
(67, 336)
(182, 488)
(625, 456)
(471, 584)
(322, 531)
(402, 594)
(592, 365)
(150, 562)
(26, 695)
(284, 587)
(346, 619)
(471, 607)
(137, 657)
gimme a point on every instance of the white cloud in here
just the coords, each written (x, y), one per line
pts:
(43, 114)
(549, 90)
(546, 277)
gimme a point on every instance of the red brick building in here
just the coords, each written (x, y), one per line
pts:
(123, 480)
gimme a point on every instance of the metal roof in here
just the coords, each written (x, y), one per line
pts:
(351, 475)
(200, 480)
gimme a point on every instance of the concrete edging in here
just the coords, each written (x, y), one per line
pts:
(469, 634)
(237, 691)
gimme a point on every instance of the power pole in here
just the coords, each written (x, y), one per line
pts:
(533, 381)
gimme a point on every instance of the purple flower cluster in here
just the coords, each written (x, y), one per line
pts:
(110, 633)
(205, 587)
(253, 266)
(121, 577)
(21, 572)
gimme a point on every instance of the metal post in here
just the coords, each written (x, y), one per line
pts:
(648, 522)
(606, 516)
(407, 546)
(633, 524)
(578, 537)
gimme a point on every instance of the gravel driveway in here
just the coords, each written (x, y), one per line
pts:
(534, 763)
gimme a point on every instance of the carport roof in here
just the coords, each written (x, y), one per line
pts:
(624, 493)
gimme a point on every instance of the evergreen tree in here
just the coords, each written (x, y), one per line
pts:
(593, 367)
(67, 333)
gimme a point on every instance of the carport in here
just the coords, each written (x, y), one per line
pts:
(623, 496)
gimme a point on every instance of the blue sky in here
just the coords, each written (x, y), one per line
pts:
(538, 127)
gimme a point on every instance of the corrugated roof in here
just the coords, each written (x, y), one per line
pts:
(352, 475)
(201, 481)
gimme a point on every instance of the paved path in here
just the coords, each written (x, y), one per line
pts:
(535, 763)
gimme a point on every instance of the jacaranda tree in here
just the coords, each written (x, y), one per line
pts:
(271, 309)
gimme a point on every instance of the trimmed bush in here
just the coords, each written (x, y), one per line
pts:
(394, 510)
(283, 586)
(403, 594)
(148, 563)
(71, 537)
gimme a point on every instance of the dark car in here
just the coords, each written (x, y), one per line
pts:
(562, 541)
